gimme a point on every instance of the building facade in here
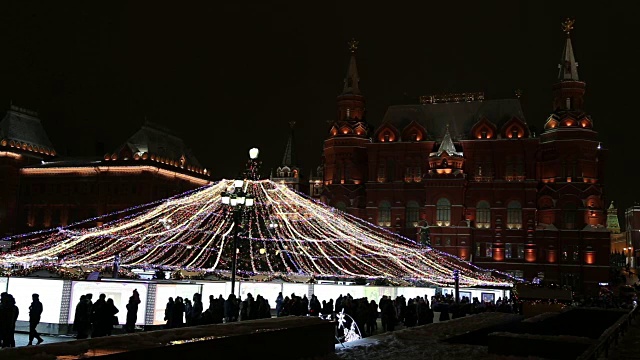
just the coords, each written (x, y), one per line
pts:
(469, 177)
(43, 190)
(632, 233)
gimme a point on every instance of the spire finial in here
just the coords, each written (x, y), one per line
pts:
(518, 93)
(292, 124)
(567, 25)
(353, 45)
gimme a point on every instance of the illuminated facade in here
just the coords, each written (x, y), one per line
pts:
(476, 180)
(632, 233)
(288, 172)
(41, 189)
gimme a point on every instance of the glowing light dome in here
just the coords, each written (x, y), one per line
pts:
(284, 233)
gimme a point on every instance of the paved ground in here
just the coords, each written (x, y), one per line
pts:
(22, 339)
(629, 346)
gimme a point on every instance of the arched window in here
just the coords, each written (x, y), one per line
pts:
(514, 215)
(483, 215)
(569, 215)
(412, 214)
(443, 212)
(340, 205)
(384, 213)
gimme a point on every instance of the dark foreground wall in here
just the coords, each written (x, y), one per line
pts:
(289, 337)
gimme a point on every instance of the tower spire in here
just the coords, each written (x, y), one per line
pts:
(288, 159)
(351, 81)
(447, 144)
(568, 65)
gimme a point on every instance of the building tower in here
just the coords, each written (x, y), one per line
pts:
(570, 160)
(570, 173)
(612, 219)
(345, 154)
(23, 141)
(288, 173)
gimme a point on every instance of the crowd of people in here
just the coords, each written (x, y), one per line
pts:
(97, 319)
(181, 312)
(9, 313)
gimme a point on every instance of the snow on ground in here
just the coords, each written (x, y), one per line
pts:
(426, 342)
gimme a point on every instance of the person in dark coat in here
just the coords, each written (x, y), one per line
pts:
(35, 311)
(168, 313)
(8, 317)
(132, 312)
(196, 310)
(178, 312)
(98, 318)
(110, 311)
(81, 321)
(230, 312)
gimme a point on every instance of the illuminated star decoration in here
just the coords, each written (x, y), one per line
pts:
(285, 233)
(341, 319)
(352, 332)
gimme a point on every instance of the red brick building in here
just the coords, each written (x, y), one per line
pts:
(471, 174)
(41, 189)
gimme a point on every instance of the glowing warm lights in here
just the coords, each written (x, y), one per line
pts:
(91, 170)
(589, 257)
(284, 233)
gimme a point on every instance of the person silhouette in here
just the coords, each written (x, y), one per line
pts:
(35, 311)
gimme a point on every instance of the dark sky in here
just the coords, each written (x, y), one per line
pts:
(227, 76)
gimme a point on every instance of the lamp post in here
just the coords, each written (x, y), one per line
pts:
(456, 278)
(239, 199)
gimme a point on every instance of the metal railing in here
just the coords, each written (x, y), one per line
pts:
(610, 338)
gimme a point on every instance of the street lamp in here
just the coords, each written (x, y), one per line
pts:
(238, 199)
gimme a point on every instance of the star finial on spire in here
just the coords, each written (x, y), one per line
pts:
(567, 25)
(353, 45)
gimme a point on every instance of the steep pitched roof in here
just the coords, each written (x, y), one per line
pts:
(24, 126)
(289, 155)
(156, 140)
(460, 116)
(352, 80)
(568, 65)
(446, 145)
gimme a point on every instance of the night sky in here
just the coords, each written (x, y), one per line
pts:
(228, 76)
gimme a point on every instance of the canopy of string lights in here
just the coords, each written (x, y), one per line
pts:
(284, 233)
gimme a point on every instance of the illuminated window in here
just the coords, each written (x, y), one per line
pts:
(382, 173)
(443, 212)
(483, 215)
(417, 174)
(447, 241)
(575, 253)
(384, 213)
(478, 251)
(488, 250)
(514, 215)
(507, 250)
(408, 174)
(412, 214)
